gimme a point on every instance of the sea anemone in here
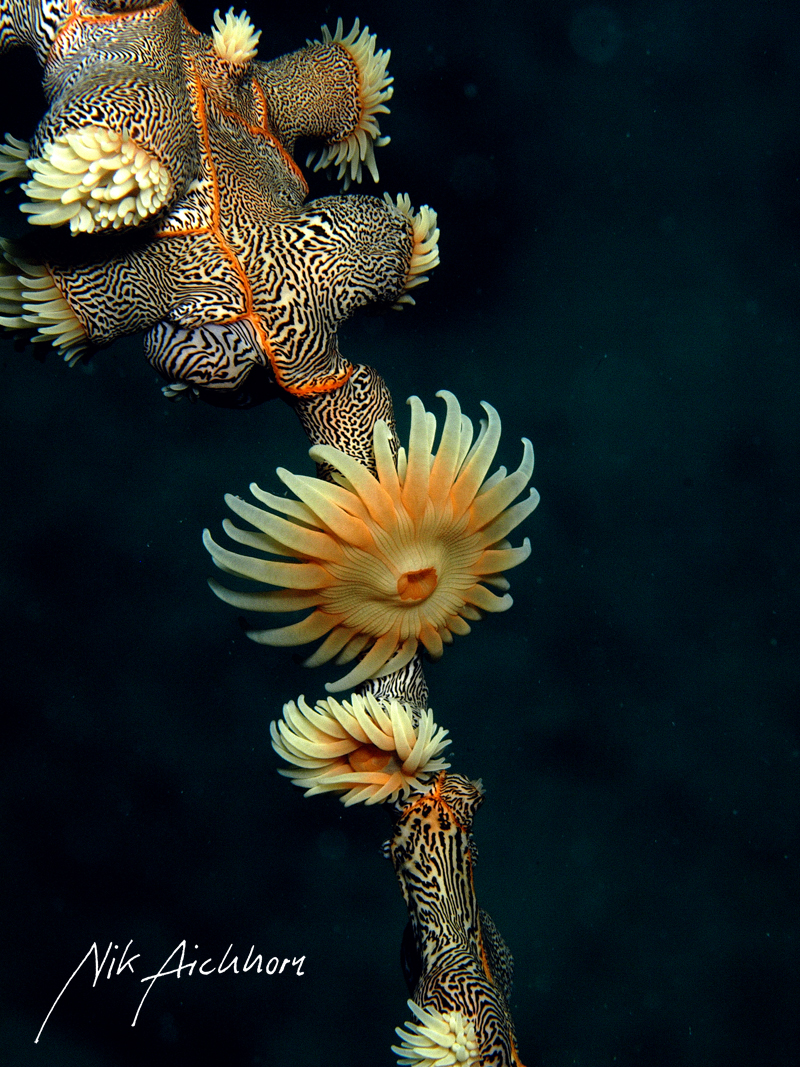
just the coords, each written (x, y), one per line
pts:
(94, 178)
(437, 1040)
(425, 249)
(357, 149)
(389, 562)
(368, 749)
(235, 38)
(30, 299)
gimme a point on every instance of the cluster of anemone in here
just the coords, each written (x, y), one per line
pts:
(388, 562)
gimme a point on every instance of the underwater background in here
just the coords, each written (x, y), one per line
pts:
(618, 190)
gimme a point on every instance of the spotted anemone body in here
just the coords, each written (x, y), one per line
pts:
(465, 965)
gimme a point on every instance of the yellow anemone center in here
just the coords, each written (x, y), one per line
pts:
(417, 585)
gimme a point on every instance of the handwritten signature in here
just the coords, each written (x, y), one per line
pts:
(274, 965)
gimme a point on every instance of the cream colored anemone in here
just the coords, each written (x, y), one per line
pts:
(94, 179)
(30, 299)
(13, 158)
(235, 38)
(437, 1040)
(374, 91)
(389, 562)
(368, 749)
(425, 237)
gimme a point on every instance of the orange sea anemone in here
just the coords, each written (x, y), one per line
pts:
(385, 563)
(371, 750)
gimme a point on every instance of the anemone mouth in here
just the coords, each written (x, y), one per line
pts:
(369, 758)
(417, 585)
(384, 563)
(95, 178)
(357, 150)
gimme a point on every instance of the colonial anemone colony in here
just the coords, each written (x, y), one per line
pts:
(164, 197)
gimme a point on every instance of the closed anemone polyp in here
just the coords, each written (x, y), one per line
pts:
(384, 563)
